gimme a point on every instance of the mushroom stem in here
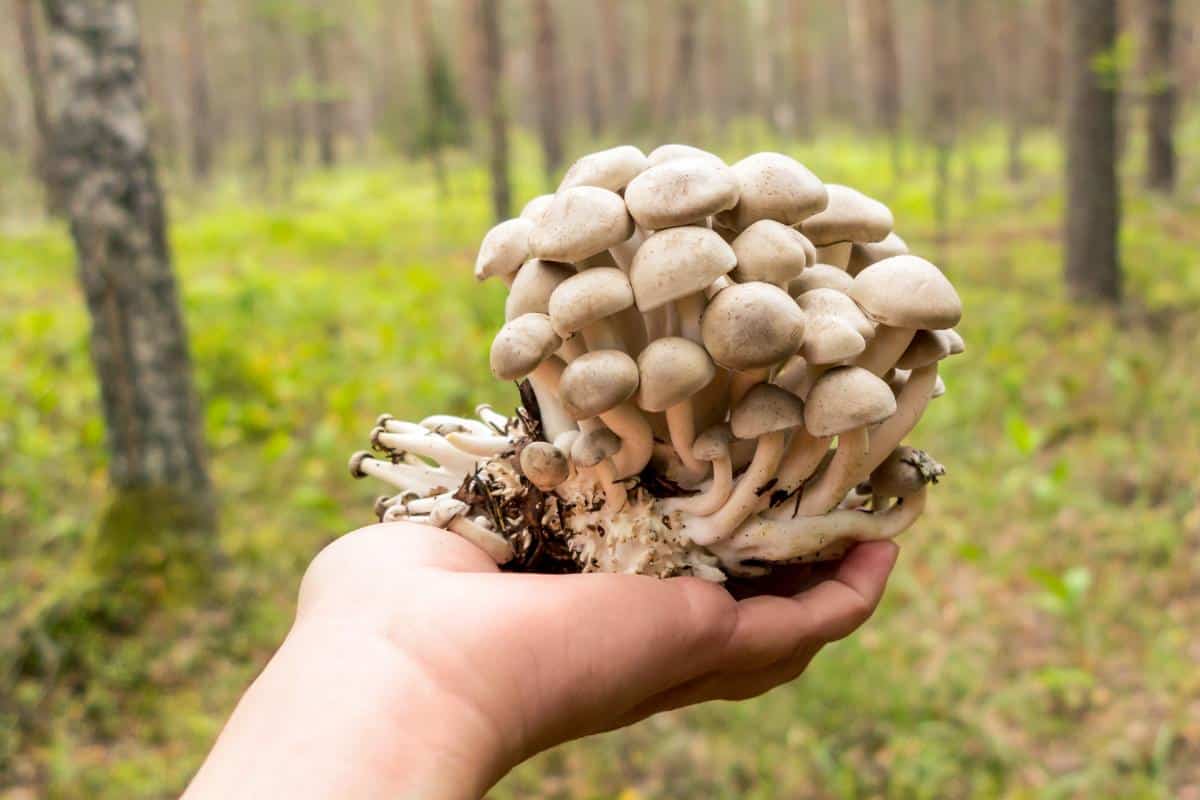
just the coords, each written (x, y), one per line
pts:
(801, 459)
(572, 348)
(714, 495)
(842, 474)
(484, 446)
(624, 252)
(885, 349)
(445, 423)
(615, 494)
(837, 254)
(708, 530)
(743, 381)
(658, 322)
(545, 378)
(688, 310)
(910, 405)
(681, 423)
(422, 480)
(492, 417)
(637, 440)
(426, 445)
(603, 335)
(490, 542)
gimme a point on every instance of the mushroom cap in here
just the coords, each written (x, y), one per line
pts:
(821, 276)
(521, 345)
(610, 169)
(829, 339)
(864, 254)
(846, 399)
(681, 191)
(566, 439)
(939, 388)
(504, 249)
(766, 408)
(678, 262)
(593, 447)
(771, 252)
(533, 285)
(925, 348)
(904, 472)
(672, 370)
(597, 382)
(587, 297)
(907, 292)
(751, 325)
(773, 186)
(534, 209)
(831, 302)
(955, 340)
(668, 152)
(713, 443)
(544, 464)
(580, 222)
(851, 216)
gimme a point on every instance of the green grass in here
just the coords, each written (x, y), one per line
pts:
(1040, 636)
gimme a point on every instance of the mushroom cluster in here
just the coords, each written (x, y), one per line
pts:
(717, 365)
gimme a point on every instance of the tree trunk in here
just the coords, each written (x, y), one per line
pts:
(942, 123)
(1093, 196)
(492, 56)
(612, 30)
(1162, 95)
(1052, 59)
(324, 109)
(200, 104)
(34, 72)
(682, 98)
(548, 83)
(139, 345)
(1014, 80)
(801, 65)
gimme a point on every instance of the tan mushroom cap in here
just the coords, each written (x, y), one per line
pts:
(504, 249)
(713, 443)
(588, 297)
(669, 152)
(671, 370)
(846, 399)
(821, 276)
(521, 345)
(907, 292)
(955, 339)
(773, 186)
(904, 472)
(751, 325)
(610, 169)
(864, 254)
(580, 222)
(925, 348)
(597, 382)
(681, 191)
(678, 262)
(851, 216)
(534, 209)
(766, 408)
(834, 303)
(771, 252)
(533, 285)
(593, 447)
(544, 465)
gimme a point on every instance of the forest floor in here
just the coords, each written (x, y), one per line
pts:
(1042, 634)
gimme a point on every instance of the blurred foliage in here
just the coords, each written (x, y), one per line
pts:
(1040, 636)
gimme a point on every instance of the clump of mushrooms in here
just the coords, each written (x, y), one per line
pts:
(717, 367)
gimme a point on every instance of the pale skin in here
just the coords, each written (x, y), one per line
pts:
(415, 669)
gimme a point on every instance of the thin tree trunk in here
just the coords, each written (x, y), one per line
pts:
(1093, 220)
(139, 345)
(548, 84)
(1053, 53)
(35, 74)
(1163, 96)
(429, 47)
(681, 100)
(200, 104)
(324, 110)
(1014, 83)
(942, 123)
(612, 30)
(801, 66)
(492, 52)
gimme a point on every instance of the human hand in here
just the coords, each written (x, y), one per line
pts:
(416, 669)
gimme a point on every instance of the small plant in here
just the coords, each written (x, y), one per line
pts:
(689, 338)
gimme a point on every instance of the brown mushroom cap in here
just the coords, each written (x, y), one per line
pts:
(907, 292)
(580, 222)
(821, 276)
(851, 216)
(681, 191)
(766, 408)
(751, 325)
(773, 186)
(587, 297)
(846, 399)
(533, 285)
(610, 169)
(713, 443)
(672, 370)
(864, 254)
(521, 345)
(905, 472)
(592, 447)
(925, 348)
(544, 464)
(678, 262)
(596, 382)
(771, 252)
(668, 152)
(504, 249)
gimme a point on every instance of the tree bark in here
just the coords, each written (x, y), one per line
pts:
(492, 57)
(1162, 96)
(1053, 53)
(1093, 195)
(548, 83)
(682, 99)
(1015, 78)
(139, 345)
(801, 66)
(200, 102)
(612, 30)
(35, 73)
(324, 109)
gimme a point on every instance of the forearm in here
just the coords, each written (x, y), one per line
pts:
(343, 713)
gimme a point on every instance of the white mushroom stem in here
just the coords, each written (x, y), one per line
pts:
(688, 310)
(407, 477)
(632, 328)
(428, 445)
(637, 440)
(885, 349)
(544, 379)
(842, 474)
(418, 505)
(658, 322)
(743, 381)
(681, 423)
(714, 495)
(490, 542)
(483, 445)
(572, 348)
(914, 397)
(741, 503)
(623, 253)
(615, 494)
(603, 335)
(445, 423)
(837, 254)
(491, 417)
(802, 458)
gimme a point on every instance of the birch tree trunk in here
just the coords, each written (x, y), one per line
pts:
(138, 342)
